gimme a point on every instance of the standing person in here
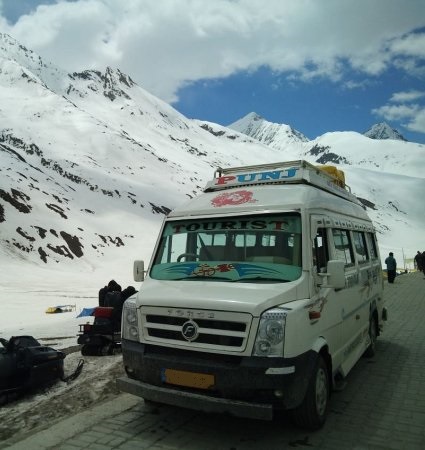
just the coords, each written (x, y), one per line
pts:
(391, 267)
(419, 261)
(423, 262)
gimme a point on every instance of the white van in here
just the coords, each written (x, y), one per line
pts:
(262, 294)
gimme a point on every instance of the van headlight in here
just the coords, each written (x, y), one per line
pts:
(271, 333)
(130, 321)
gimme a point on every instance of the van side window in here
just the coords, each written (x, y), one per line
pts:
(342, 244)
(359, 239)
(320, 250)
(371, 244)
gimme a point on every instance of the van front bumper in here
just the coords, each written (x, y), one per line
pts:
(243, 386)
(195, 401)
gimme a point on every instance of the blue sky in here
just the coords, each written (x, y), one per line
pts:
(317, 65)
(313, 108)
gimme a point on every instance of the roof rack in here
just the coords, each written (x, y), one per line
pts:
(328, 178)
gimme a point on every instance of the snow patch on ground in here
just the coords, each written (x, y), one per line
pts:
(95, 384)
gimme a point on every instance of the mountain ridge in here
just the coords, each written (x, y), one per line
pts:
(91, 163)
(258, 127)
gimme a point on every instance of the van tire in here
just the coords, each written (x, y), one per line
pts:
(311, 414)
(373, 334)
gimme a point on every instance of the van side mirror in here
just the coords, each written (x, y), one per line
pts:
(335, 274)
(139, 270)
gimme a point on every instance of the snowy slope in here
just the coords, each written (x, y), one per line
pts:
(350, 148)
(90, 163)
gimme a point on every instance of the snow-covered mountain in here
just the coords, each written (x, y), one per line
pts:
(387, 174)
(90, 163)
(274, 135)
(383, 131)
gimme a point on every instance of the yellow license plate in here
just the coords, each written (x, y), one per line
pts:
(189, 379)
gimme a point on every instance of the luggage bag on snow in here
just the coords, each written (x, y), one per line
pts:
(26, 364)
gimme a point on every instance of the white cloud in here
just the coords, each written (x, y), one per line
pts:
(362, 84)
(407, 96)
(165, 44)
(401, 109)
(396, 112)
(412, 66)
(411, 45)
(418, 122)
(413, 115)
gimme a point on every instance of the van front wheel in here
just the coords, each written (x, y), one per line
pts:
(373, 334)
(311, 414)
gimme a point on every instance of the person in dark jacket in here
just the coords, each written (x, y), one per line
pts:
(128, 292)
(116, 300)
(419, 261)
(391, 267)
(423, 262)
(112, 286)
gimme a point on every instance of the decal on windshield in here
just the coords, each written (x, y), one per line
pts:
(207, 270)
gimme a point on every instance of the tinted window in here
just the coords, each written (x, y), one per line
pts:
(360, 246)
(320, 251)
(371, 244)
(342, 244)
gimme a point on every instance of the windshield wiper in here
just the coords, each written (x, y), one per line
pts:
(203, 278)
(259, 278)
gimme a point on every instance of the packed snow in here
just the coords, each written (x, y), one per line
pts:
(27, 296)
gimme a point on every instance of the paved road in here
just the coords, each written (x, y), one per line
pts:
(382, 406)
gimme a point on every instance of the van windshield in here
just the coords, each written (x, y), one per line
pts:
(257, 248)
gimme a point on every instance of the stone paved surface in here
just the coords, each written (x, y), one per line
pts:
(382, 406)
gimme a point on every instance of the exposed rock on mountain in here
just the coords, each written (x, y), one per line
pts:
(383, 131)
(323, 155)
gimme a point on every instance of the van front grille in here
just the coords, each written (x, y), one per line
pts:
(215, 330)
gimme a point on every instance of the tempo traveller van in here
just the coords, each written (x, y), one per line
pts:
(261, 295)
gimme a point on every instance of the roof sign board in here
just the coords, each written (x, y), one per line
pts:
(280, 173)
